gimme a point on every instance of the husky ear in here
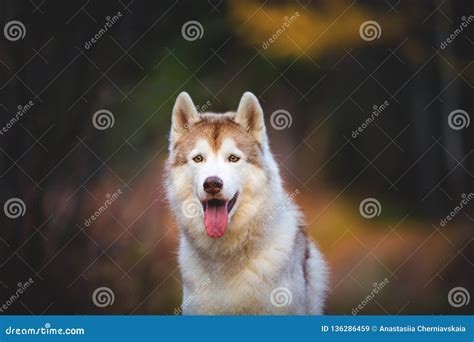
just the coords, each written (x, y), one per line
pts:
(184, 114)
(250, 116)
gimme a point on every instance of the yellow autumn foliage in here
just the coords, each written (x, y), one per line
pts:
(334, 26)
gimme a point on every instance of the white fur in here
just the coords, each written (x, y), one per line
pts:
(215, 164)
(263, 247)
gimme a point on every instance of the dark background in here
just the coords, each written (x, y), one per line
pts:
(319, 70)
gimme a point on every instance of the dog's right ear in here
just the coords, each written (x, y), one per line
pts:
(184, 114)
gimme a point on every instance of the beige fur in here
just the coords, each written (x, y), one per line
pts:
(264, 258)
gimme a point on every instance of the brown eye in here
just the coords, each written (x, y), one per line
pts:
(198, 158)
(233, 158)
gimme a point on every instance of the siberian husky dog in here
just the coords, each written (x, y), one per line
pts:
(242, 247)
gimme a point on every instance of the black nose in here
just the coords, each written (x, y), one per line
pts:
(212, 185)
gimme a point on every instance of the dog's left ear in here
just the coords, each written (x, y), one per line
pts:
(250, 116)
(184, 115)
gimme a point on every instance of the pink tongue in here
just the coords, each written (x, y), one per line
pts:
(215, 219)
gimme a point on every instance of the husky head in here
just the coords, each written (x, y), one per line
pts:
(221, 176)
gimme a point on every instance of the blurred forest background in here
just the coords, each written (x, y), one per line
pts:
(319, 69)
